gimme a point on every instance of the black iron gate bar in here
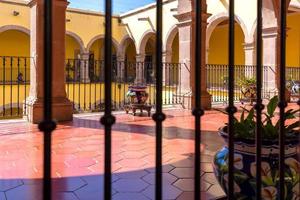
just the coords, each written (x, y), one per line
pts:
(231, 109)
(282, 101)
(47, 126)
(108, 119)
(159, 116)
(198, 112)
(259, 106)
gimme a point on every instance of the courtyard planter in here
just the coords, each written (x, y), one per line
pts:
(245, 153)
(137, 94)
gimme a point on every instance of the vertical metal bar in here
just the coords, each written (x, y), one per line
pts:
(231, 109)
(3, 81)
(259, 106)
(282, 102)
(198, 111)
(11, 85)
(47, 126)
(108, 119)
(25, 84)
(18, 85)
(159, 116)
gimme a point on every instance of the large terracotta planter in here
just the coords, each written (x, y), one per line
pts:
(137, 95)
(245, 168)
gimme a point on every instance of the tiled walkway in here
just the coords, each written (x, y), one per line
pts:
(78, 153)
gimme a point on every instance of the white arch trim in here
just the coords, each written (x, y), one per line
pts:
(144, 40)
(216, 19)
(170, 38)
(15, 27)
(97, 37)
(124, 44)
(78, 39)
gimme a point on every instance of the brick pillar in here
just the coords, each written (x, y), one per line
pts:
(186, 49)
(62, 107)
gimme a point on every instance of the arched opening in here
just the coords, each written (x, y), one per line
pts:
(149, 61)
(130, 58)
(96, 59)
(218, 45)
(16, 64)
(73, 48)
(16, 43)
(172, 69)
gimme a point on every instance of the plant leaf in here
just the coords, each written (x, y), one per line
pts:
(272, 106)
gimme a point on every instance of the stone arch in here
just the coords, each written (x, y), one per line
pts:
(91, 42)
(124, 44)
(144, 40)
(15, 27)
(78, 39)
(216, 19)
(170, 37)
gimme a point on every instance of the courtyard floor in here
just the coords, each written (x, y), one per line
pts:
(78, 154)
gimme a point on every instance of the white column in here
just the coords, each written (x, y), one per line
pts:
(270, 50)
(249, 54)
(140, 68)
(84, 67)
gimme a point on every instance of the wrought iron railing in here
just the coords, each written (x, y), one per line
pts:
(14, 85)
(85, 83)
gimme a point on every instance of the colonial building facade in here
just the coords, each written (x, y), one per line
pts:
(79, 34)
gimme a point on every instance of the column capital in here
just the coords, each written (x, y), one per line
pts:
(271, 32)
(249, 46)
(140, 57)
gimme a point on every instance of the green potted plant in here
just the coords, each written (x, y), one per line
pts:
(248, 89)
(245, 153)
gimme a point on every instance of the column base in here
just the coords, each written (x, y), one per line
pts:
(62, 110)
(205, 100)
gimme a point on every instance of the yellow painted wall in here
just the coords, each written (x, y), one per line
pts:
(7, 17)
(72, 47)
(98, 49)
(293, 40)
(131, 52)
(14, 43)
(218, 46)
(80, 22)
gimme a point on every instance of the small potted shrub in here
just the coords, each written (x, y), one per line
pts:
(248, 89)
(245, 153)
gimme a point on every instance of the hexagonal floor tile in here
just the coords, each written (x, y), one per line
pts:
(8, 184)
(187, 185)
(169, 192)
(183, 172)
(129, 196)
(167, 178)
(130, 185)
(25, 192)
(129, 173)
(65, 196)
(69, 184)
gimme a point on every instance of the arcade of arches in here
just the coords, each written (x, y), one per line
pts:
(134, 40)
